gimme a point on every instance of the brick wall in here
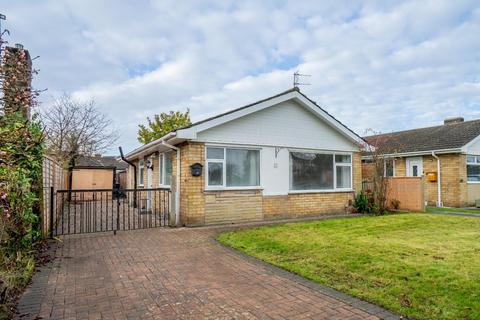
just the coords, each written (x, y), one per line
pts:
(200, 207)
(357, 171)
(305, 204)
(192, 199)
(453, 178)
(400, 167)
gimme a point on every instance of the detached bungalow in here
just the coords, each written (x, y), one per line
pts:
(281, 157)
(447, 155)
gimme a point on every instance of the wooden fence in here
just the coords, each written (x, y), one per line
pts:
(408, 190)
(54, 176)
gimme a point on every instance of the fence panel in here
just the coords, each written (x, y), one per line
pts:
(408, 190)
(53, 177)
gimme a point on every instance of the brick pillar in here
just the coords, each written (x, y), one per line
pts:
(17, 85)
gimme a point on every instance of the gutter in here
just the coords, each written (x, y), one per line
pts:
(177, 184)
(150, 145)
(439, 184)
(417, 153)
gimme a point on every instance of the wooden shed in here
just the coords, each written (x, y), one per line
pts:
(98, 172)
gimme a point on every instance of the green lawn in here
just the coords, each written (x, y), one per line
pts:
(466, 210)
(420, 265)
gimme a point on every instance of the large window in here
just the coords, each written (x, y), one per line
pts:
(141, 169)
(232, 167)
(473, 169)
(320, 171)
(165, 168)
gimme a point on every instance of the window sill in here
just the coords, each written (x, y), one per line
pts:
(320, 191)
(233, 189)
(473, 182)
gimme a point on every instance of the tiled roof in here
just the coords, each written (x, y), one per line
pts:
(101, 162)
(447, 136)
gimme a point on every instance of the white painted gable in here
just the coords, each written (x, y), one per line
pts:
(474, 146)
(286, 124)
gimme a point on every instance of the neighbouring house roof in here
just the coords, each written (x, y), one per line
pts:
(449, 136)
(189, 132)
(101, 162)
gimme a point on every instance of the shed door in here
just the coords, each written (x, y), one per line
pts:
(414, 166)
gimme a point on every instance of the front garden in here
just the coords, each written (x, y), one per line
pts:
(419, 265)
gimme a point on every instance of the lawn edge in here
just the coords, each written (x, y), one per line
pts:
(370, 308)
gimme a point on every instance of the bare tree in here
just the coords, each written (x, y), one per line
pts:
(377, 168)
(75, 128)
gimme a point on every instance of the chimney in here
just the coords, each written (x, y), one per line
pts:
(17, 85)
(452, 120)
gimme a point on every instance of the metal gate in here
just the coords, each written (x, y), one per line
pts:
(100, 210)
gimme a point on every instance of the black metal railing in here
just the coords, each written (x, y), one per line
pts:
(87, 211)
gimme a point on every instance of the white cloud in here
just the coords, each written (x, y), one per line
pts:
(385, 65)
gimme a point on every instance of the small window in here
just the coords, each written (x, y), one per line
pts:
(215, 174)
(141, 169)
(233, 167)
(215, 153)
(473, 169)
(165, 169)
(389, 167)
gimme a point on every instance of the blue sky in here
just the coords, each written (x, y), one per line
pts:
(385, 65)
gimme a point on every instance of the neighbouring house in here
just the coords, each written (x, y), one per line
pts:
(281, 157)
(98, 172)
(448, 156)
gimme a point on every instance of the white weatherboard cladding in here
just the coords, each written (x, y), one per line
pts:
(474, 148)
(275, 174)
(284, 124)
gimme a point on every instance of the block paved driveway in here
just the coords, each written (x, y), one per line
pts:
(175, 274)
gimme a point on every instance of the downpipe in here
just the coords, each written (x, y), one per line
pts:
(439, 183)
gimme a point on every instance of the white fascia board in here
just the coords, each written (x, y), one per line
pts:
(187, 133)
(330, 120)
(191, 133)
(150, 147)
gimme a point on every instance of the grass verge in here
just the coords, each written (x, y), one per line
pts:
(443, 209)
(419, 265)
(15, 273)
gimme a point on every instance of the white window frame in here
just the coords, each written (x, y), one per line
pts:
(335, 189)
(161, 169)
(224, 167)
(141, 173)
(476, 162)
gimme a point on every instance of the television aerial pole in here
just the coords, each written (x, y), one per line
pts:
(296, 79)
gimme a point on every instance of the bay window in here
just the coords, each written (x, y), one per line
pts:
(165, 169)
(473, 169)
(232, 167)
(320, 171)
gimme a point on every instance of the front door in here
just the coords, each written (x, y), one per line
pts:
(414, 166)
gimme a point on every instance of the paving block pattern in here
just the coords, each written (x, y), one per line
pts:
(175, 274)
